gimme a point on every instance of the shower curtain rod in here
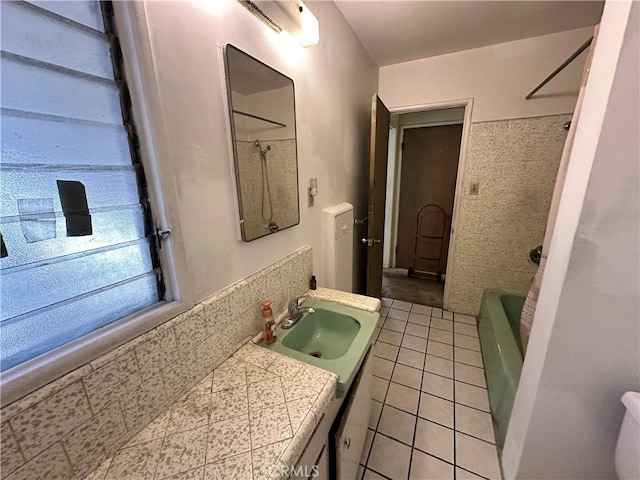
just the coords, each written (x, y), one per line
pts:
(575, 54)
(259, 118)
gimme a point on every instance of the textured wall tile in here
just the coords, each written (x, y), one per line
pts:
(237, 300)
(85, 446)
(280, 301)
(229, 403)
(273, 278)
(181, 374)
(113, 381)
(229, 375)
(10, 456)
(46, 422)
(263, 458)
(244, 326)
(285, 367)
(30, 400)
(282, 168)
(155, 430)
(217, 313)
(238, 466)
(195, 474)
(190, 413)
(211, 352)
(100, 472)
(298, 411)
(135, 463)
(192, 330)
(118, 352)
(298, 443)
(52, 464)
(265, 393)
(182, 451)
(142, 404)
(228, 437)
(269, 425)
(156, 353)
(515, 163)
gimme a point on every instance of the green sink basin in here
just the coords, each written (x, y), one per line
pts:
(335, 338)
(325, 334)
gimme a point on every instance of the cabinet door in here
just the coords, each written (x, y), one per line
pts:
(352, 433)
(318, 470)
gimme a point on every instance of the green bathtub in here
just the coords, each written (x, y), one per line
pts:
(499, 329)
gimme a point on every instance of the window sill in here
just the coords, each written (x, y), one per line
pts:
(21, 380)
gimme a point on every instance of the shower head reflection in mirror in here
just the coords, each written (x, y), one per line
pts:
(266, 188)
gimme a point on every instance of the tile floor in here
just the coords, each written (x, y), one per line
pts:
(430, 418)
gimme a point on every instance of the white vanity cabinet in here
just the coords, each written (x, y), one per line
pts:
(350, 430)
(335, 448)
(314, 461)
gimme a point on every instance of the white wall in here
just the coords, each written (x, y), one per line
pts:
(431, 117)
(389, 201)
(497, 77)
(583, 351)
(182, 85)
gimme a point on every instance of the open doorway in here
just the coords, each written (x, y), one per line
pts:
(422, 170)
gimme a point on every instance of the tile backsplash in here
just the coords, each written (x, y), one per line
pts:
(68, 427)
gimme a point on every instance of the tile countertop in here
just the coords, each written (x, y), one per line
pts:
(368, 304)
(248, 419)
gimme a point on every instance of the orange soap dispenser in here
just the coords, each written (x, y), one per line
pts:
(269, 323)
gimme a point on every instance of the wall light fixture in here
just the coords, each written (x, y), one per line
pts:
(292, 16)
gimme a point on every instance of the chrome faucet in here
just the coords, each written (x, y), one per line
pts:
(296, 311)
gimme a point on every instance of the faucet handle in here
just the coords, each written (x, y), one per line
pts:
(294, 303)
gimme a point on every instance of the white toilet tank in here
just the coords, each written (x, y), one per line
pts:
(337, 226)
(628, 446)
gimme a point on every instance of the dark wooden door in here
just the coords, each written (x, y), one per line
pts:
(377, 194)
(428, 176)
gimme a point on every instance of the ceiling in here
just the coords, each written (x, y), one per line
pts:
(396, 31)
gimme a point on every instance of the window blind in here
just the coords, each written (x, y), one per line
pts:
(77, 249)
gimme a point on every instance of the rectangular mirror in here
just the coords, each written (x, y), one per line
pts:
(263, 126)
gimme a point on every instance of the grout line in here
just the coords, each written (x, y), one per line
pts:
(469, 406)
(373, 437)
(436, 423)
(473, 473)
(453, 401)
(477, 438)
(415, 427)
(395, 439)
(376, 472)
(15, 440)
(455, 446)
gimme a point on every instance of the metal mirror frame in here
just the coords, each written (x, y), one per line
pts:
(234, 140)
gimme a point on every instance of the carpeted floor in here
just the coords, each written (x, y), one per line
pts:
(396, 284)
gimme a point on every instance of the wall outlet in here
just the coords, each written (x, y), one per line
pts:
(474, 188)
